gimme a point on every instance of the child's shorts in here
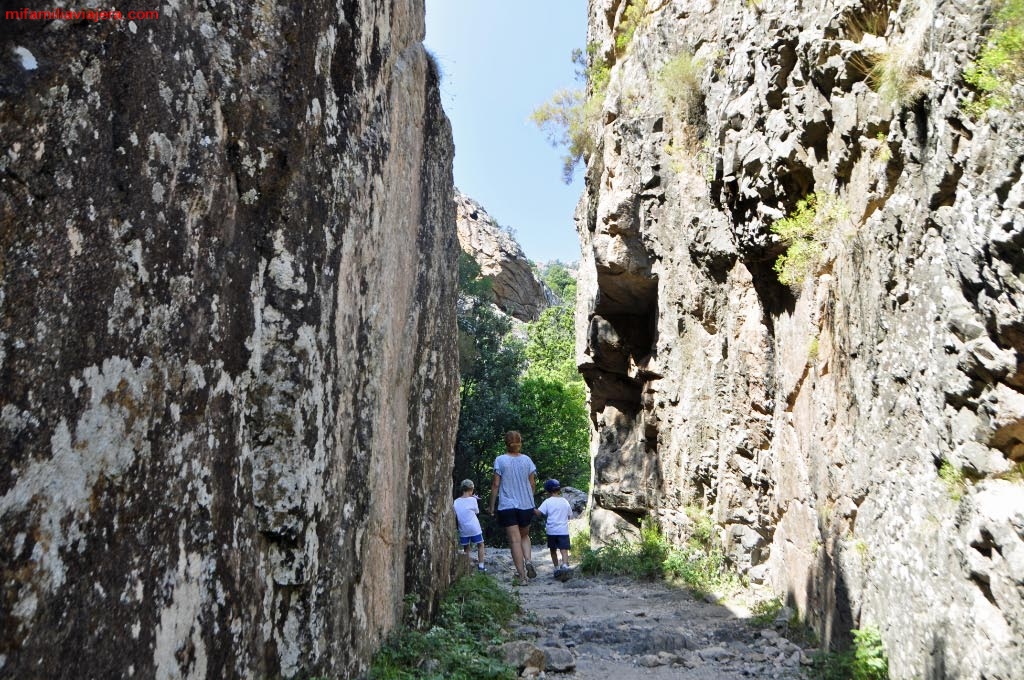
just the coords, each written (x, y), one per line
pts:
(473, 540)
(558, 542)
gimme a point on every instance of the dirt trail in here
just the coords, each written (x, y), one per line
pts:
(627, 630)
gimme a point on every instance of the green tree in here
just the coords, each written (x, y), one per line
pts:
(561, 282)
(490, 365)
(553, 422)
(551, 344)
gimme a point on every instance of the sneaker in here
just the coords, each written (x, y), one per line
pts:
(481, 568)
(530, 571)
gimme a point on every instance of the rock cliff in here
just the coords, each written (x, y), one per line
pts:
(517, 290)
(228, 397)
(845, 398)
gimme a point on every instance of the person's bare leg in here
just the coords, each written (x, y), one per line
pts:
(565, 558)
(524, 533)
(516, 545)
(554, 557)
(480, 554)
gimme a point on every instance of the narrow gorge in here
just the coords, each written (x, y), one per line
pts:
(229, 353)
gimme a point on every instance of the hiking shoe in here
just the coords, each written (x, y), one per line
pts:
(481, 569)
(530, 571)
(564, 574)
(518, 580)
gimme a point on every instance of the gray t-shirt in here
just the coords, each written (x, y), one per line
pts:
(515, 491)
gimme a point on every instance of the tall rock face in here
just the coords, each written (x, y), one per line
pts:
(517, 290)
(855, 431)
(227, 395)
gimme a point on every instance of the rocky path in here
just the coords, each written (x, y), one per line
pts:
(613, 627)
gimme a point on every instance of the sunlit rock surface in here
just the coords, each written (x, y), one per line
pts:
(517, 290)
(228, 388)
(812, 420)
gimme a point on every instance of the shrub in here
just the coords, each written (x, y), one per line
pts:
(680, 83)
(569, 117)
(1000, 63)
(631, 17)
(471, 618)
(700, 565)
(865, 660)
(643, 559)
(765, 611)
(805, 231)
(702, 571)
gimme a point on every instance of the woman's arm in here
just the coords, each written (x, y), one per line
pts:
(494, 491)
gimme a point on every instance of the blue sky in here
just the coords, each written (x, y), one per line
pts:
(500, 59)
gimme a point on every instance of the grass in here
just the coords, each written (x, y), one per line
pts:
(699, 565)
(642, 560)
(893, 70)
(1000, 63)
(1014, 474)
(954, 479)
(680, 83)
(864, 660)
(765, 611)
(805, 232)
(471, 618)
(883, 153)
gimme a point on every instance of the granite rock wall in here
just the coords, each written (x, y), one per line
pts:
(228, 394)
(855, 433)
(517, 290)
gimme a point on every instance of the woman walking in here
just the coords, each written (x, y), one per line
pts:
(515, 477)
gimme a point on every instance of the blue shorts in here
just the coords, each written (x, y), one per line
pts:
(558, 542)
(471, 540)
(515, 517)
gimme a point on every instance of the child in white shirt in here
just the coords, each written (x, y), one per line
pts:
(557, 511)
(466, 510)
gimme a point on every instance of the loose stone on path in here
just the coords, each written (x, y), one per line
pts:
(617, 627)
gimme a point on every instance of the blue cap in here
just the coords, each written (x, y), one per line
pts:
(552, 485)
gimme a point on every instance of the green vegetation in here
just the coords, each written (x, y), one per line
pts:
(680, 83)
(883, 153)
(806, 231)
(580, 540)
(570, 115)
(471, 618)
(892, 68)
(561, 282)
(765, 611)
(1000, 64)
(1014, 474)
(644, 559)
(508, 384)
(865, 660)
(812, 350)
(631, 17)
(699, 565)
(954, 479)
(490, 364)
(895, 75)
